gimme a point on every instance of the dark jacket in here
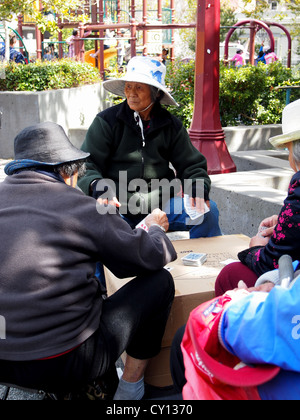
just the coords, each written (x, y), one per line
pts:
(51, 239)
(14, 55)
(115, 143)
(286, 237)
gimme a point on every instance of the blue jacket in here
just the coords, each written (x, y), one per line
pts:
(265, 328)
(15, 55)
(261, 56)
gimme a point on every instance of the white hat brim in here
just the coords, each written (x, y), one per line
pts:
(117, 87)
(281, 141)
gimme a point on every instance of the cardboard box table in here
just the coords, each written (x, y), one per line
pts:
(193, 285)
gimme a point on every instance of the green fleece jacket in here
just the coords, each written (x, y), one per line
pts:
(120, 154)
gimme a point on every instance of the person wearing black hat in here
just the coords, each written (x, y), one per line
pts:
(60, 334)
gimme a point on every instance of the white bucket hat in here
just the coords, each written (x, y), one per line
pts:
(147, 70)
(290, 126)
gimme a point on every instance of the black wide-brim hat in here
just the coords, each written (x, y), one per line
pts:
(43, 145)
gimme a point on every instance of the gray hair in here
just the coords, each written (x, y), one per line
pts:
(296, 151)
(72, 168)
(156, 94)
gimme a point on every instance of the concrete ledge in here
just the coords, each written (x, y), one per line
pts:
(77, 136)
(76, 107)
(247, 197)
(237, 138)
(261, 159)
(251, 137)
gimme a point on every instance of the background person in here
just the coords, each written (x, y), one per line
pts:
(15, 55)
(270, 56)
(238, 59)
(73, 43)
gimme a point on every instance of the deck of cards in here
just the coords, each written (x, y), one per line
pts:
(142, 225)
(195, 260)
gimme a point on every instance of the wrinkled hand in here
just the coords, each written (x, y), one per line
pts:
(268, 225)
(266, 287)
(113, 202)
(259, 241)
(265, 231)
(157, 217)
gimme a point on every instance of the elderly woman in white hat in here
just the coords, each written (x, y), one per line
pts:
(278, 235)
(131, 147)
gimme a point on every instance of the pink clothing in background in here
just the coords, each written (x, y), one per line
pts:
(238, 59)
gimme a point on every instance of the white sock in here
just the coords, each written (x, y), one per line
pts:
(130, 391)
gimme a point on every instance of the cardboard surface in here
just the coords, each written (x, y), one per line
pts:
(193, 285)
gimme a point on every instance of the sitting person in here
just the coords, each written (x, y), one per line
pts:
(60, 333)
(261, 55)
(270, 55)
(260, 327)
(14, 54)
(278, 235)
(131, 146)
(238, 59)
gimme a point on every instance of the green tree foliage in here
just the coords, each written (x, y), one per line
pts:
(66, 9)
(228, 18)
(248, 95)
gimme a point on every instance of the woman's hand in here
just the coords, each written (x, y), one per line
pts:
(267, 226)
(258, 241)
(157, 217)
(198, 204)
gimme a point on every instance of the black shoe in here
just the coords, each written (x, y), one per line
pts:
(104, 387)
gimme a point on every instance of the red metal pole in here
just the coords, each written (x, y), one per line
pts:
(38, 36)
(80, 43)
(206, 132)
(133, 30)
(159, 18)
(172, 55)
(145, 34)
(60, 40)
(101, 34)
(253, 31)
(289, 59)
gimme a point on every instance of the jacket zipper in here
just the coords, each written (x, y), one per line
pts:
(140, 124)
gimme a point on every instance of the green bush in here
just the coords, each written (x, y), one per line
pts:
(248, 95)
(45, 75)
(180, 79)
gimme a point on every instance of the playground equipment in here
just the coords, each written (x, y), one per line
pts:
(109, 54)
(142, 20)
(22, 46)
(206, 132)
(255, 26)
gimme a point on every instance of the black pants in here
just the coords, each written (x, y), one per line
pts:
(133, 319)
(177, 364)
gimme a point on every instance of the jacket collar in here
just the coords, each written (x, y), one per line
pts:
(160, 117)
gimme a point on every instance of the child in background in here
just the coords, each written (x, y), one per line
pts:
(238, 59)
